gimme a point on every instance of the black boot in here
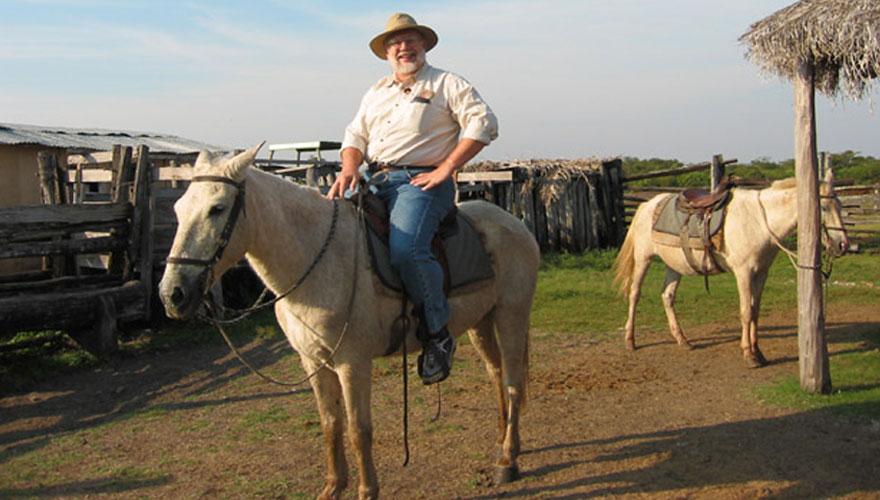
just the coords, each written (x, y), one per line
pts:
(435, 362)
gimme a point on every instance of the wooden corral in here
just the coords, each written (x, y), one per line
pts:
(861, 215)
(568, 205)
(97, 243)
(20, 145)
(85, 302)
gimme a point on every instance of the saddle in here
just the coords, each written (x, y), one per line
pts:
(696, 217)
(457, 246)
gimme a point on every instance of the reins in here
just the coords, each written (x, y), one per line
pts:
(214, 310)
(208, 273)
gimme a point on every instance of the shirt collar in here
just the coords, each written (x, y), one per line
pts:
(392, 80)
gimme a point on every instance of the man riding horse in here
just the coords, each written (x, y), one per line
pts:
(416, 127)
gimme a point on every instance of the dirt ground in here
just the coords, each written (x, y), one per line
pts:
(601, 422)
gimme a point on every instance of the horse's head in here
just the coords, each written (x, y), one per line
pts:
(834, 237)
(211, 231)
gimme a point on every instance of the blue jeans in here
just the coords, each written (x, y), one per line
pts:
(415, 216)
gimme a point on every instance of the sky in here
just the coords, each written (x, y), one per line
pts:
(566, 78)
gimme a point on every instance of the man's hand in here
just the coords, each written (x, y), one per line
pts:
(349, 176)
(429, 180)
(463, 152)
(344, 181)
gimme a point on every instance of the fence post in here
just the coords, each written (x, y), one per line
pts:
(717, 171)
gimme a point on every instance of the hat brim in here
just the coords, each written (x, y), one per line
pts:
(377, 44)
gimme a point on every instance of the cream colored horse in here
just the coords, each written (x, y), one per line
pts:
(281, 230)
(755, 221)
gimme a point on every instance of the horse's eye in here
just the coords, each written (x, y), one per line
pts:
(217, 209)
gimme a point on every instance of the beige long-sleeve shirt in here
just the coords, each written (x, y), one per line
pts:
(420, 121)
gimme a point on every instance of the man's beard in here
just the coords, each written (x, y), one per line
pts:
(407, 68)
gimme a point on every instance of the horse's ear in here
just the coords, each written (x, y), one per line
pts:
(204, 159)
(239, 162)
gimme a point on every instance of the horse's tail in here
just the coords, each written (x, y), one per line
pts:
(625, 263)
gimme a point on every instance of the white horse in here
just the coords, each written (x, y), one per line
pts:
(755, 223)
(282, 228)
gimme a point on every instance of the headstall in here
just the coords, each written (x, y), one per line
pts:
(237, 208)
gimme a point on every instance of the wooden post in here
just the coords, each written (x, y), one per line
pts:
(717, 171)
(123, 178)
(47, 164)
(140, 249)
(51, 193)
(813, 353)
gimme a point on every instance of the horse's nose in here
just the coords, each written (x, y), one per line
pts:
(177, 296)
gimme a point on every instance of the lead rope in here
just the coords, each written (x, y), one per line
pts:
(792, 257)
(827, 260)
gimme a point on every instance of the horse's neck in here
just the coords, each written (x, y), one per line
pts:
(289, 223)
(780, 209)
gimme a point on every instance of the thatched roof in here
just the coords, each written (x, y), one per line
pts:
(841, 37)
(546, 167)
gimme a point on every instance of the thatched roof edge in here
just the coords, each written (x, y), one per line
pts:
(841, 37)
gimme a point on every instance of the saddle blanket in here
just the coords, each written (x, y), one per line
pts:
(459, 250)
(668, 219)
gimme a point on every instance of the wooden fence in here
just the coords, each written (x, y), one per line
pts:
(86, 301)
(567, 208)
(861, 216)
(107, 224)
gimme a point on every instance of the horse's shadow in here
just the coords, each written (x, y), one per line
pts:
(835, 333)
(715, 456)
(729, 453)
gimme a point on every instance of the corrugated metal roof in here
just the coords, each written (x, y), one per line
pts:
(94, 139)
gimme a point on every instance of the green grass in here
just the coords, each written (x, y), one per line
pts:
(856, 384)
(575, 294)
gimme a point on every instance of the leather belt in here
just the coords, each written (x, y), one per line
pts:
(378, 165)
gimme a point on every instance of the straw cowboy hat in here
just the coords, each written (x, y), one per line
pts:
(400, 22)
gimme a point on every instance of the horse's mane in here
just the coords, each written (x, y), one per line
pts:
(784, 183)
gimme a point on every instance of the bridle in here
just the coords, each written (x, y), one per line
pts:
(825, 227)
(207, 276)
(207, 273)
(792, 256)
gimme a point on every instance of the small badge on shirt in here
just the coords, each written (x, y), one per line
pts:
(424, 97)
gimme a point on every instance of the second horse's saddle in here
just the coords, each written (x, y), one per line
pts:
(695, 216)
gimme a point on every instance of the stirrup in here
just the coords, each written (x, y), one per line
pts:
(435, 362)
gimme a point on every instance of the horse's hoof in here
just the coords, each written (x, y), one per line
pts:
(687, 346)
(630, 345)
(755, 363)
(504, 475)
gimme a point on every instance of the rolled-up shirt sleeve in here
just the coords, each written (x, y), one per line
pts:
(356, 133)
(474, 116)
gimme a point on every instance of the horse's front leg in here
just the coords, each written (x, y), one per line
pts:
(328, 393)
(670, 287)
(750, 288)
(356, 381)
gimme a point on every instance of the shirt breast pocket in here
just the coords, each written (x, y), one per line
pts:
(421, 113)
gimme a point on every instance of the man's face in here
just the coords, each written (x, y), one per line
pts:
(405, 51)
